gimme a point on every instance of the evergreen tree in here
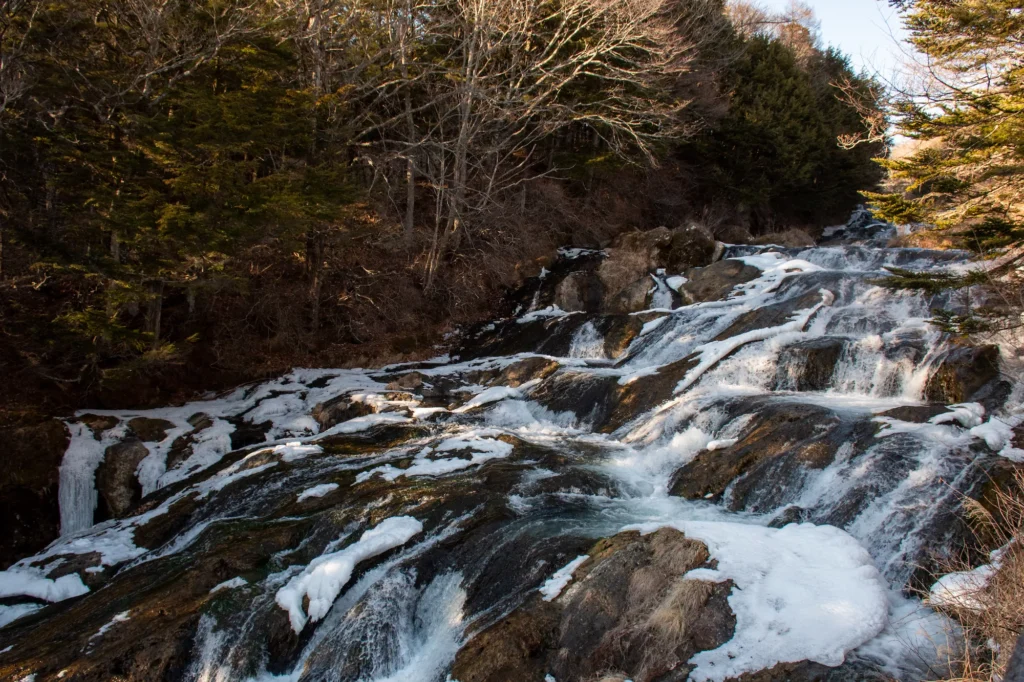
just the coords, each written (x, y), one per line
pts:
(968, 175)
(776, 151)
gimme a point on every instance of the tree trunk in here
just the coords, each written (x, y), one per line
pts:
(410, 167)
(314, 270)
(155, 313)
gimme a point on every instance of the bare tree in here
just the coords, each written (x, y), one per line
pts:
(517, 73)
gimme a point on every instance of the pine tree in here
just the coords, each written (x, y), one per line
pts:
(968, 175)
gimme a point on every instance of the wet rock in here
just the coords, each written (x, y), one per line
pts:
(335, 411)
(809, 365)
(116, 483)
(165, 599)
(150, 430)
(412, 381)
(246, 433)
(627, 612)
(98, 423)
(32, 453)
(771, 315)
(716, 281)
(789, 514)
(161, 528)
(551, 336)
(637, 254)
(993, 395)
(645, 393)
(769, 460)
(587, 396)
(518, 373)
(579, 291)
(619, 331)
(633, 298)
(918, 414)
(805, 671)
(961, 373)
(793, 238)
(603, 402)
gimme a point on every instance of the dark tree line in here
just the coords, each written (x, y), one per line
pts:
(177, 174)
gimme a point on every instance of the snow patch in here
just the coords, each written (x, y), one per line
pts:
(554, 585)
(317, 491)
(802, 592)
(323, 579)
(232, 584)
(15, 583)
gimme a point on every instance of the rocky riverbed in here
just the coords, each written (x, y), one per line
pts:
(670, 460)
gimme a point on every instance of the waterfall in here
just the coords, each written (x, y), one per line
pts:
(787, 416)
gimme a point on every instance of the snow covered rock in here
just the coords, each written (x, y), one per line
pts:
(625, 610)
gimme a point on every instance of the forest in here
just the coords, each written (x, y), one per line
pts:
(195, 193)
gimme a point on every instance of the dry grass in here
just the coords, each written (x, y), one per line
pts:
(992, 614)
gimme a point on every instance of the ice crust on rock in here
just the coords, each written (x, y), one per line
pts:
(802, 593)
(317, 491)
(324, 578)
(554, 585)
(18, 583)
(481, 443)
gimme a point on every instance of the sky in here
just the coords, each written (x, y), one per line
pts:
(863, 29)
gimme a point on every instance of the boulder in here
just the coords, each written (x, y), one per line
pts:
(413, 381)
(98, 423)
(769, 461)
(619, 332)
(150, 430)
(793, 238)
(605, 403)
(734, 234)
(962, 372)
(335, 411)
(579, 292)
(809, 365)
(918, 414)
(518, 373)
(633, 298)
(716, 281)
(636, 254)
(769, 316)
(246, 433)
(628, 613)
(116, 482)
(691, 247)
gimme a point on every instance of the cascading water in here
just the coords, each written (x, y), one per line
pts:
(389, 516)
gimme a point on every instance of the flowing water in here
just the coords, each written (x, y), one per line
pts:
(277, 543)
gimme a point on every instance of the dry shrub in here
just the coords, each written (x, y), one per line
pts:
(992, 614)
(927, 239)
